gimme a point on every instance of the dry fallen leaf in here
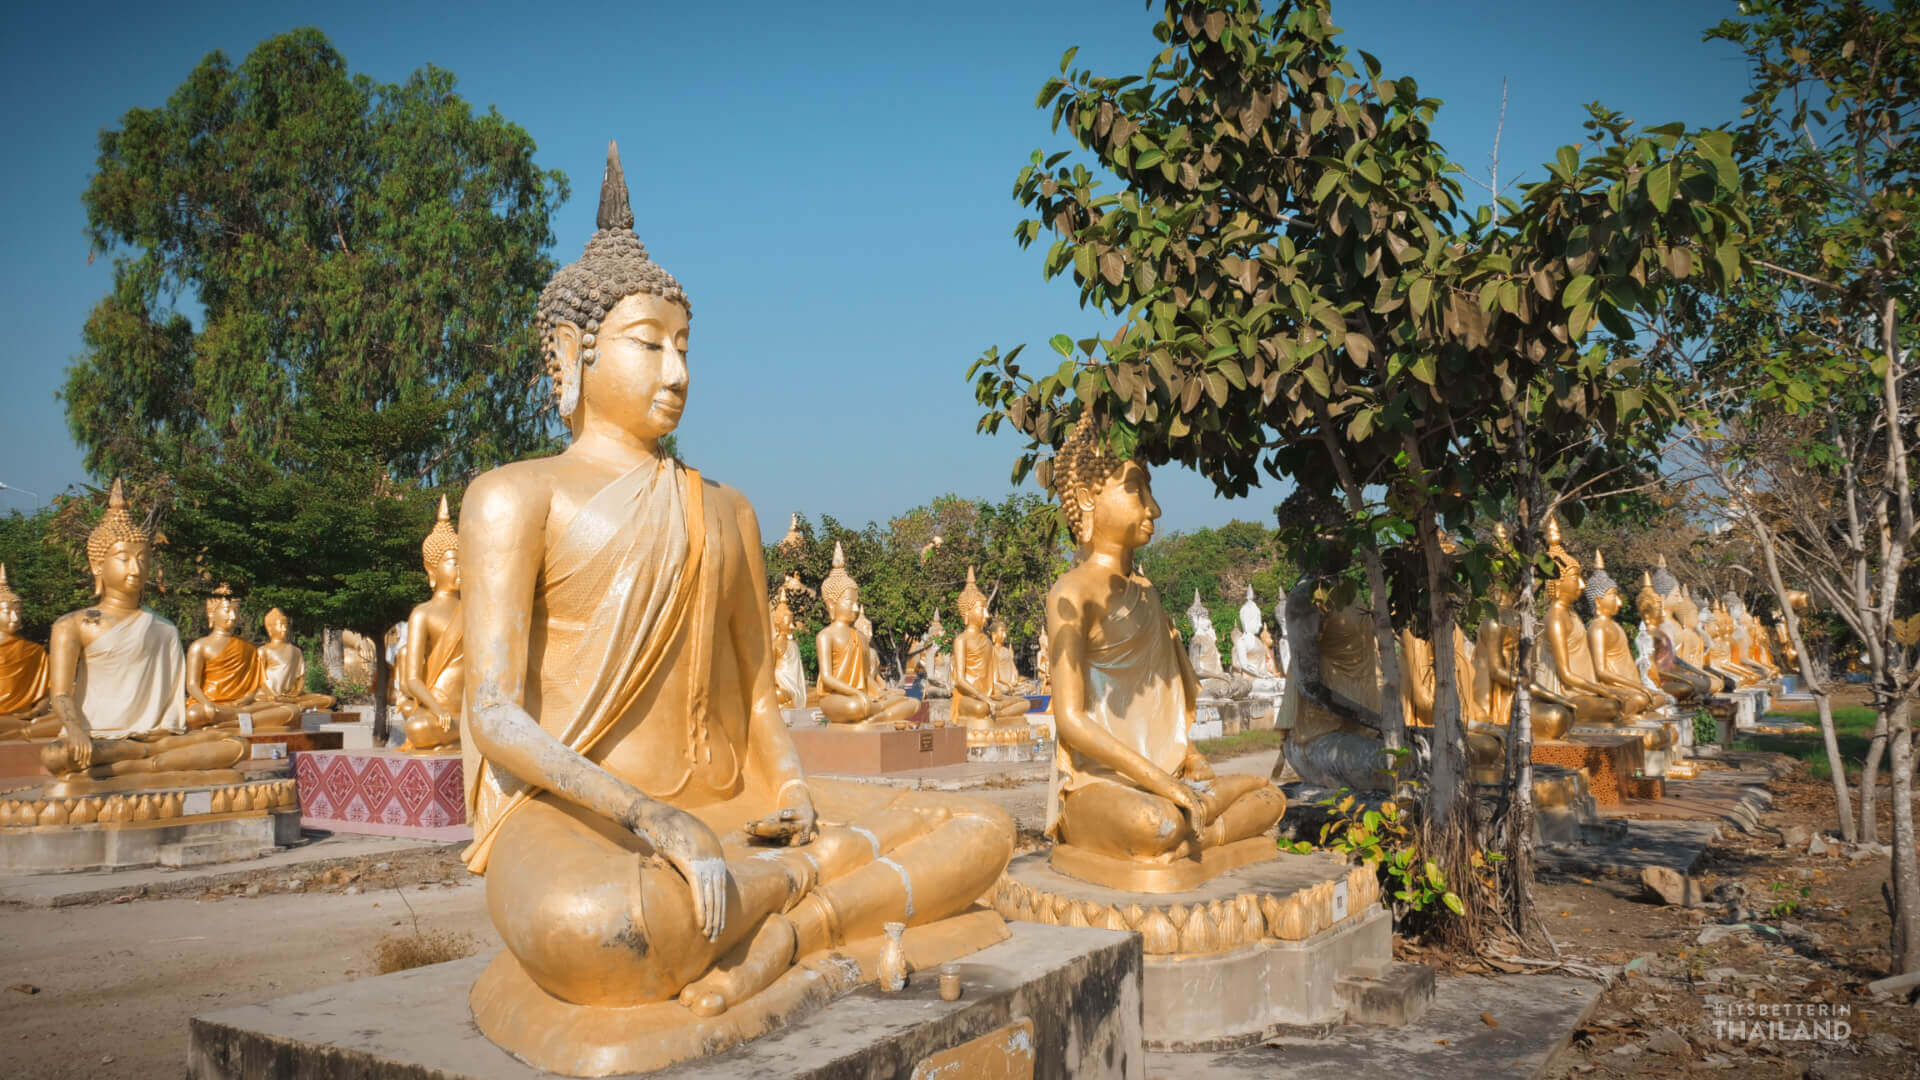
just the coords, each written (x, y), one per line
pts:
(24, 988)
(1489, 1020)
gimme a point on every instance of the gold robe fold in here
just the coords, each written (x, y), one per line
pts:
(23, 675)
(234, 674)
(631, 559)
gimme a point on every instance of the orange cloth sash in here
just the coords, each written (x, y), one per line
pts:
(23, 675)
(235, 674)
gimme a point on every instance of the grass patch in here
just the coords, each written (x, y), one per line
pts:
(419, 948)
(1245, 742)
(1852, 726)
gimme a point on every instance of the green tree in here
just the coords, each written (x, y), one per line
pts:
(42, 570)
(290, 238)
(1819, 463)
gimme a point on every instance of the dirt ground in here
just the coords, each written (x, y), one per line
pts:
(106, 990)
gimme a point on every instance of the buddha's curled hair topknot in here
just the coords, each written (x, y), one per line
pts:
(613, 267)
(838, 584)
(115, 525)
(1082, 465)
(440, 541)
(1598, 583)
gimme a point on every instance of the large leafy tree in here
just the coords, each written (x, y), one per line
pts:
(1819, 459)
(288, 238)
(1302, 294)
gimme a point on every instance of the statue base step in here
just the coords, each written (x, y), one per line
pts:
(281, 745)
(873, 753)
(383, 793)
(1049, 1001)
(803, 717)
(43, 832)
(1235, 959)
(1035, 745)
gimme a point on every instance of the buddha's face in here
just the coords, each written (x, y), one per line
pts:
(1202, 624)
(10, 616)
(124, 569)
(276, 628)
(445, 574)
(639, 376)
(999, 635)
(223, 613)
(1123, 510)
(1567, 587)
(975, 617)
(1650, 609)
(1609, 603)
(843, 609)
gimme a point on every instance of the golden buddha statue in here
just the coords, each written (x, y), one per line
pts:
(929, 659)
(1006, 674)
(1686, 684)
(226, 676)
(118, 681)
(1568, 670)
(1419, 686)
(1042, 665)
(790, 674)
(661, 873)
(1689, 644)
(1750, 639)
(851, 690)
(25, 712)
(1333, 700)
(1133, 804)
(978, 702)
(1496, 676)
(286, 667)
(1720, 650)
(432, 665)
(1607, 648)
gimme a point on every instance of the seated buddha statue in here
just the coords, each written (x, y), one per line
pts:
(1567, 667)
(1042, 665)
(851, 690)
(1749, 641)
(432, 665)
(1689, 644)
(1613, 663)
(1419, 687)
(1719, 635)
(929, 658)
(1331, 710)
(286, 667)
(978, 701)
(118, 681)
(227, 676)
(1496, 676)
(25, 712)
(1130, 793)
(1203, 654)
(1006, 674)
(1682, 682)
(663, 876)
(1251, 658)
(789, 673)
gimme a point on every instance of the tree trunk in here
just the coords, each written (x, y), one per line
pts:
(1870, 781)
(1905, 873)
(1843, 803)
(382, 682)
(333, 654)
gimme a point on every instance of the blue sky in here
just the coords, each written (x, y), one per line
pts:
(830, 182)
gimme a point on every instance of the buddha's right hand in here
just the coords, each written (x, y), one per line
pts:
(687, 843)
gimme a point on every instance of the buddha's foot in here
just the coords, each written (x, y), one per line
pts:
(745, 971)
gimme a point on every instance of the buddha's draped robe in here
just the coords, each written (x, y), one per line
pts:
(133, 679)
(629, 560)
(445, 673)
(1006, 676)
(1133, 690)
(23, 675)
(233, 674)
(278, 675)
(855, 667)
(791, 674)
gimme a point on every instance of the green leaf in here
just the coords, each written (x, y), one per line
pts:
(1423, 369)
(1660, 187)
(1062, 344)
(1576, 291)
(1420, 294)
(1453, 903)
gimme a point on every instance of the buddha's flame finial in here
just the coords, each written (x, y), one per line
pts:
(616, 210)
(1599, 559)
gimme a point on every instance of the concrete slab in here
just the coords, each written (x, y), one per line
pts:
(1079, 988)
(1676, 845)
(313, 853)
(866, 753)
(1535, 1014)
(1732, 797)
(966, 776)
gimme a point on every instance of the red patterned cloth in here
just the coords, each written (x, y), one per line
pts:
(380, 791)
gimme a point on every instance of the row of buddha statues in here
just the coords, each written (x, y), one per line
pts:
(1586, 674)
(119, 696)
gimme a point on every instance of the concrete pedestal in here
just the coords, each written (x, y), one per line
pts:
(1230, 961)
(383, 792)
(20, 761)
(281, 745)
(1049, 1002)
(183, 826)
(1031, 745)
(869, 753)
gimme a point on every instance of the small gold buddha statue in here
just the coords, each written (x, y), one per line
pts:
(978, 701)
(432, 667)
(1419, 686)
(790, 674)
(1568, 667)
(286, 666)
(851, 690)
(118, 680)
(1042, 665)
(1133, 804)
(1720, 649)
(227, 675)
(1607, 648)
(25, 712)
(1496, 676)
(1006, 674)
(1683, 682)
(663, 876)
